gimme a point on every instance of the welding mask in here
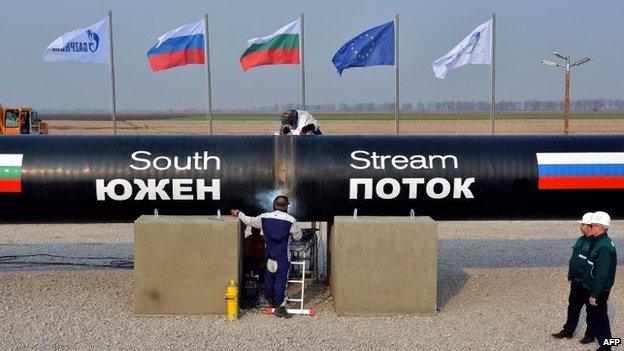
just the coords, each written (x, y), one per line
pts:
(290, 118)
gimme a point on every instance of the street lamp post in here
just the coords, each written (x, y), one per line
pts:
(566, 98)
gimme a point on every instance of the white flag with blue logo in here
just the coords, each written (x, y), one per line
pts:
(88, 44)
(476, 48)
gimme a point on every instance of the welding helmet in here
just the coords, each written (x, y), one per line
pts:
(290, 118)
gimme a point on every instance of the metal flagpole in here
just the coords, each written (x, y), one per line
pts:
(396, 71)
(303, 101)
(208, 78)
(302, 50)
(112, 71)
(493, 68)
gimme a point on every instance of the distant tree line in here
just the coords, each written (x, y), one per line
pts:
(585, 105)
(593, 105)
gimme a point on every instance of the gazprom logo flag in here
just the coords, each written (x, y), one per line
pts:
(373, 47)
(88, 44)
(476, 48)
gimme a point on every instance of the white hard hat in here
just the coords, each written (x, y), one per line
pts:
(601, 218)
(586, 218)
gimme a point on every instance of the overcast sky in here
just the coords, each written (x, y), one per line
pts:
(527, 31)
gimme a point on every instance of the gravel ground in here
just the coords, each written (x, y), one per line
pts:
(502, 286)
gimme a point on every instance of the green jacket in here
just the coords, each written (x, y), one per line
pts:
(578, 260)
(601, 263)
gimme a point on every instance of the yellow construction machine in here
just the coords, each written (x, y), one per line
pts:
(21, 120)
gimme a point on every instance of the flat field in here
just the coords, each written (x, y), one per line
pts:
(409, 116)
(342, 124)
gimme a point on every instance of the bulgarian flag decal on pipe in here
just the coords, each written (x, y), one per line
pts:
(281, 47)
(11, 173)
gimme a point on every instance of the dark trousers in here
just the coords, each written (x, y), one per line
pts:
(579, 296)
(599, 320)
(275, 283)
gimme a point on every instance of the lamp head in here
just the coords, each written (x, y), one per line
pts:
(549, 63)
(581, 61)
(561, 56)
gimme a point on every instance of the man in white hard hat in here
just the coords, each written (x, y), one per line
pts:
(599, 277)
(578, 295)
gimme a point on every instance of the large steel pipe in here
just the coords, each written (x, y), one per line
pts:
(118, 178)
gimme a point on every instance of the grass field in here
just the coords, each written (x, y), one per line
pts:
(406, 116)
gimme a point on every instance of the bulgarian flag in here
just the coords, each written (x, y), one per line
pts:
(11, 173)
(281, 47)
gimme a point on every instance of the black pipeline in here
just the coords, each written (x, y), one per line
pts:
(108, 178)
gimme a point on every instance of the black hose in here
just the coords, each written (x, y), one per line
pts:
(114, 262)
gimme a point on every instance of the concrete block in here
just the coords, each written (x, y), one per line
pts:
(182, 264)
(384, 265)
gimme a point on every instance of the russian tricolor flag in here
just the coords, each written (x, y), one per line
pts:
(181, 46)
(580, 170)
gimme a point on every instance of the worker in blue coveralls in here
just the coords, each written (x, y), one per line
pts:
(278, 227)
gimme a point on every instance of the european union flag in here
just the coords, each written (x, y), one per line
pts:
(371, 48)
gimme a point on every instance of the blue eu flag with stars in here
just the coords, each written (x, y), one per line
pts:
(371, 48)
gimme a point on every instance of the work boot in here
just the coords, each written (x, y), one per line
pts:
(563, 335)
(587, 339)
(271, 301)
(280, 312)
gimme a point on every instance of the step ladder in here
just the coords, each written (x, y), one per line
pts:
(300, 310)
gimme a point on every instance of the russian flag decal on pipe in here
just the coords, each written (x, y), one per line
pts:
(11, 173)
(179, 47)
(580, 170)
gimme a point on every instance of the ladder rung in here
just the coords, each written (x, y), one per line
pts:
(295, 300)
(297, 281)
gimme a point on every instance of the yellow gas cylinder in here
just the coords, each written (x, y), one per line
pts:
(231, 298)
